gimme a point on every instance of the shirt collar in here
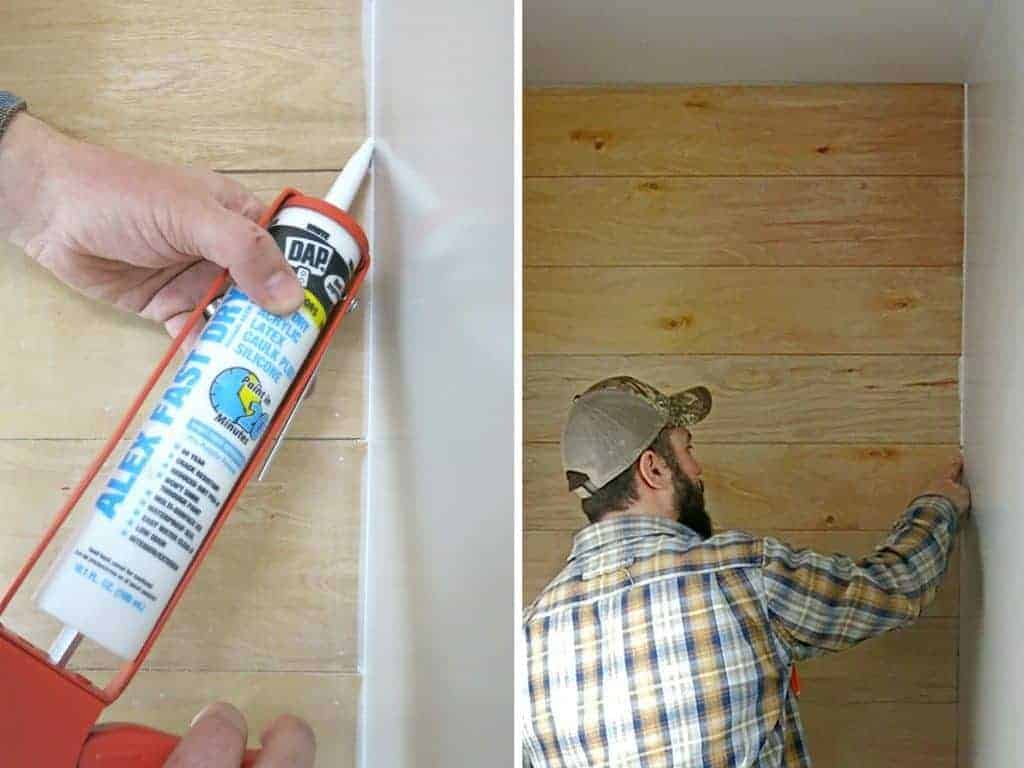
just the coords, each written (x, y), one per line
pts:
(620, 529)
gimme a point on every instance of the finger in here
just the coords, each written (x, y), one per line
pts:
(236, 197)
(173, 292)
(216, 739)
(247, 251)
(288, 743)
(174, 326)
(230, 193)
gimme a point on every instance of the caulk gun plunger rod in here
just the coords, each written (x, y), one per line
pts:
(346, 186)
(64, 646)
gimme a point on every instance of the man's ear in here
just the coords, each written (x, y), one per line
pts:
(653, 471)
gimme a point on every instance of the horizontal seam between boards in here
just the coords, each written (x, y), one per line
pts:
(730, 176)
(951, 265)
(703, 442)
(276, 170)
(743, 266)
(95, 439)
(229, 671)
(740, 354)
(950, 175)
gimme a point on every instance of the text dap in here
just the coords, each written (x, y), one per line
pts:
(307, 255)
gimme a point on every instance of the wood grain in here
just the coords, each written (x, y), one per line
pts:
(107, 353)
(796, 249)
(743, 221)
(781, 486)
(280, 589)
(768, 398)
(917, 663)
(545, 553)
(329, 702)
(807, 310)
(226, 85)
(878, 734)
(839, 130)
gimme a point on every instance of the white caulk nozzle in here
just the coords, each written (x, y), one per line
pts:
(346, 186)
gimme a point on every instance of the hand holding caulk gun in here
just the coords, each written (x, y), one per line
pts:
(152, 239)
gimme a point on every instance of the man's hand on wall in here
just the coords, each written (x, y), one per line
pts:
(951, 486)
(146, 237)
(218, 735)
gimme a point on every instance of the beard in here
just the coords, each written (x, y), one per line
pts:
(689, 503)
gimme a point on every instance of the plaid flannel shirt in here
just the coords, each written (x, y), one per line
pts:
(655, 648)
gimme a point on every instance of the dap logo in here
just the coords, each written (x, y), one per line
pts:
(307, 256)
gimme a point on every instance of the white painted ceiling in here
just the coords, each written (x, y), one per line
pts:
(717, 41)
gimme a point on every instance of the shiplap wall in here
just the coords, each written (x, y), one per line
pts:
(274, 94)
(798, 250)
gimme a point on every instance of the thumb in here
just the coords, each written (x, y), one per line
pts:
(216, 739)
(247, 251)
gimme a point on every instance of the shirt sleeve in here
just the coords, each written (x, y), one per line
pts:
(819, 603)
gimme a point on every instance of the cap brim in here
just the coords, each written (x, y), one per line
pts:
(689, 407)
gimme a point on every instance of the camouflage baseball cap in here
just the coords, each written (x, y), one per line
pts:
(616, 420)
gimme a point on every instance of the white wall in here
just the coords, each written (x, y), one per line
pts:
(992, 582)
(714, 41)
(438, 632)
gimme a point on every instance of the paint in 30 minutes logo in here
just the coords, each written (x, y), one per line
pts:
(240, 401)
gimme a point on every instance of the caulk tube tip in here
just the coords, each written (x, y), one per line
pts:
(346, 186)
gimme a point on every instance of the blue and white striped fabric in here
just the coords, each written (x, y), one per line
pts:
(654, 648)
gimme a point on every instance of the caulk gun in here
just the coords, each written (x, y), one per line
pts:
(217, 423)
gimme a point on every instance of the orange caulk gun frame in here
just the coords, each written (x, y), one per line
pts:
(48, 714)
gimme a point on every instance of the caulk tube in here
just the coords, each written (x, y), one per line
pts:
(115, 579)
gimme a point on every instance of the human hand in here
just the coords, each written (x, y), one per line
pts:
(950, 485)
(217, 736)
(146, 237)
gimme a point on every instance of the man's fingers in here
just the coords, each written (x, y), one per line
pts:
(215, 740)
(232, 195)
(287, 743)
(180, 294)
(256, 263)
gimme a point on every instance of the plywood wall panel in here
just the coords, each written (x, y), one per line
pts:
(740, 221)
(810, 310)
(224, 85)
(881, 734)
(736, 130)
(770, 398)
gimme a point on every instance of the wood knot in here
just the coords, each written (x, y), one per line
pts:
(880, 453)
(598, 138)
(902, 302)
(674, 323)
(830, 520)
(824, 149)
